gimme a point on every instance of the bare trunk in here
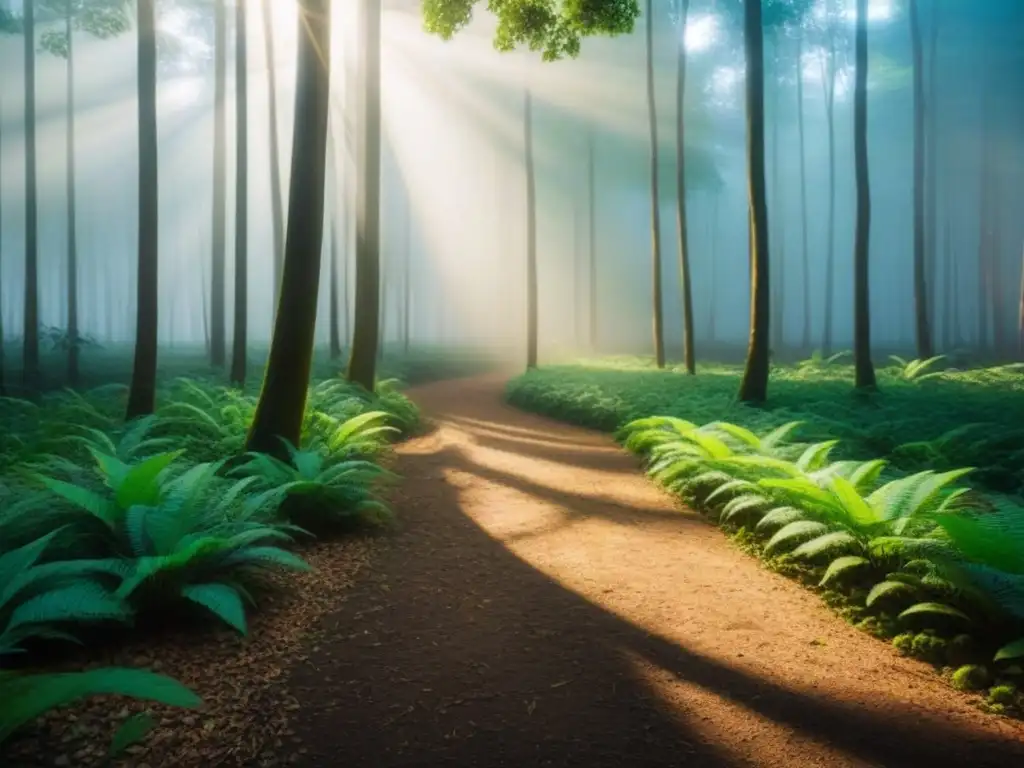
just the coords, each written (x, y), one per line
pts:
(652, 122)
(276, 206)
(240, 338)
(923, 334)
(864, 370)
(829, 81)
(74, 346)
(218, 310)
(591, 241)
(30, 332)
(805, 264)
(531, 235)
(682, 225)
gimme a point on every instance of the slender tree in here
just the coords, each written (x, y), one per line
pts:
(712, 262)
(406, 272)
(828, 79)
(336, 183)
(922, 328)
(591, 241)
(682, 230)
(282, 401)
(276, 207)
(218, 310)
(531, 234)
(932, 166)
(864, 370)
(362, 363)
(754, 385)
(777, 225)
(652, 122)
(30, 333)
(984, 218)
(240, 336)
(3, 352)
(142, 393)
(805, 263)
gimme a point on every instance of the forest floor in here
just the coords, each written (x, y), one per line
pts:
(544, 604)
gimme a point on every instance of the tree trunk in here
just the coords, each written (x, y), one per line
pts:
(406, 273)
(805, 263)
(240, 338)
(864, 370)
(829, 82)
(591, 241)
(142, 394)
(218, 312)
(652, 122)
(682, 232)
(206, 308)
(984, 220)
(949, 290)
(363, 357)
(932, 170)
(713, 253)
(754, 385)
(1020, 308)
(30, 333)
(331, 221)
(334, 308)
(3, 359)
(923, 335)
(531, 234)
(779, 220)
(72, 281)
(276, 212)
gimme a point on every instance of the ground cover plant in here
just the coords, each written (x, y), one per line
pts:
(865, 499)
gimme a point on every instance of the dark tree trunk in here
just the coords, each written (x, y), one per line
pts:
(30, 333)
(713, 253)
(754, 385)
(282, 402)
(531, 235)
(276, 212)
(652, 122)
(362, 365)
(829, 82)
(336, 181)
(932, 170)
(805, 262)
(72, 287)
(591, 241)
(240, 338)
(142, 394)
(864, 370)
(3, 358)
(1020, 308)
(334, 303)
(218, 312)
(923, 334)
(682, 231)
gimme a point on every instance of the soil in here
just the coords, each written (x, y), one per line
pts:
(544, 604)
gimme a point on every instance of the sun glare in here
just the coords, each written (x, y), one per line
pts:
(701, 32)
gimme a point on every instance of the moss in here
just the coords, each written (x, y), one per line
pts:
(904, 643)
(997, 709)
(970, 677)
(929, 647)
(1005, 695)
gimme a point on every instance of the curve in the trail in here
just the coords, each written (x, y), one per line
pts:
(544, 604)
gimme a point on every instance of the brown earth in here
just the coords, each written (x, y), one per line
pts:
(543, 604)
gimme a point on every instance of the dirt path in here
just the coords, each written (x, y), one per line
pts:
(545, 605)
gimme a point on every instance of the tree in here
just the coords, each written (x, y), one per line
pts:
(829, 71)
(362, 363)
(531, 233)
(754, 385)
(30, 334)
(652, 121)
(591, 241)
(240, 336)
(282, 402)
(3, 352)
(805, 336)
(218, 333)
(864, 370)
(276, 212)
(102, 19)
(923, 334)
(407, 272)
(142, 393)
(689, 354)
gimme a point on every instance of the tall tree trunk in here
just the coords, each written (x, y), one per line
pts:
(206, 308)
(713, 253)
(218, 311)
(282, 402)
(3, 353)
(240, 338)
(335, 182)
(777, 243)
(591, 240)
(531, 234)
(383, 304)
(652, 122)
(682, 232)
(335, 311)
(932, 168)
(805, 263)
(406, 272)
(984, 219)
(142, 394)
(949, 290)
(923, 334)
(74, 346)
(1020, 307)
(829, 82)
(754, 385)
(276, 212)
(30, 332)
(366, 327)
(864, 370)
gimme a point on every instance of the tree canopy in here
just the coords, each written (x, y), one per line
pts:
(553, 27)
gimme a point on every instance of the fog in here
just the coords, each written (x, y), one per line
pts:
(454, 200)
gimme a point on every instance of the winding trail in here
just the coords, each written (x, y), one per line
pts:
(544, 604)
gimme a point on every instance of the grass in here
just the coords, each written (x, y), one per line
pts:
(898, 507)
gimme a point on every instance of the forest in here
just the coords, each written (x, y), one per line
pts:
(521, 382)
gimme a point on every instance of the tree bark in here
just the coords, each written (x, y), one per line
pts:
(984, 220)
(932, 171)
(74, 346)
(754, 385)
(805, 263)
(276, 212)
(777, 244)
(406, 272)
(218, 312)
(30, 333)
(713, 253)
(591, 240)
(864, 370)
(682, 229)
(240, 337)
(142, 394)
(923, 336)
(531, 235)
(652, 122)
(335, 311)
(362, 365)
(282, 402)
(829, 83)
(3, 351)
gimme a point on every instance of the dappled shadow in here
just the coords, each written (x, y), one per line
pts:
(453, 650)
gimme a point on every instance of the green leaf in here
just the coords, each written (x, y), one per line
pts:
(890, 590)
(1011, 651)
(140, 484)
(221, 600)
(842, 568)
(794, 534)
(933, 610)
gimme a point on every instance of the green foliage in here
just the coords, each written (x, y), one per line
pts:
(970, 677)
(553, 27)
